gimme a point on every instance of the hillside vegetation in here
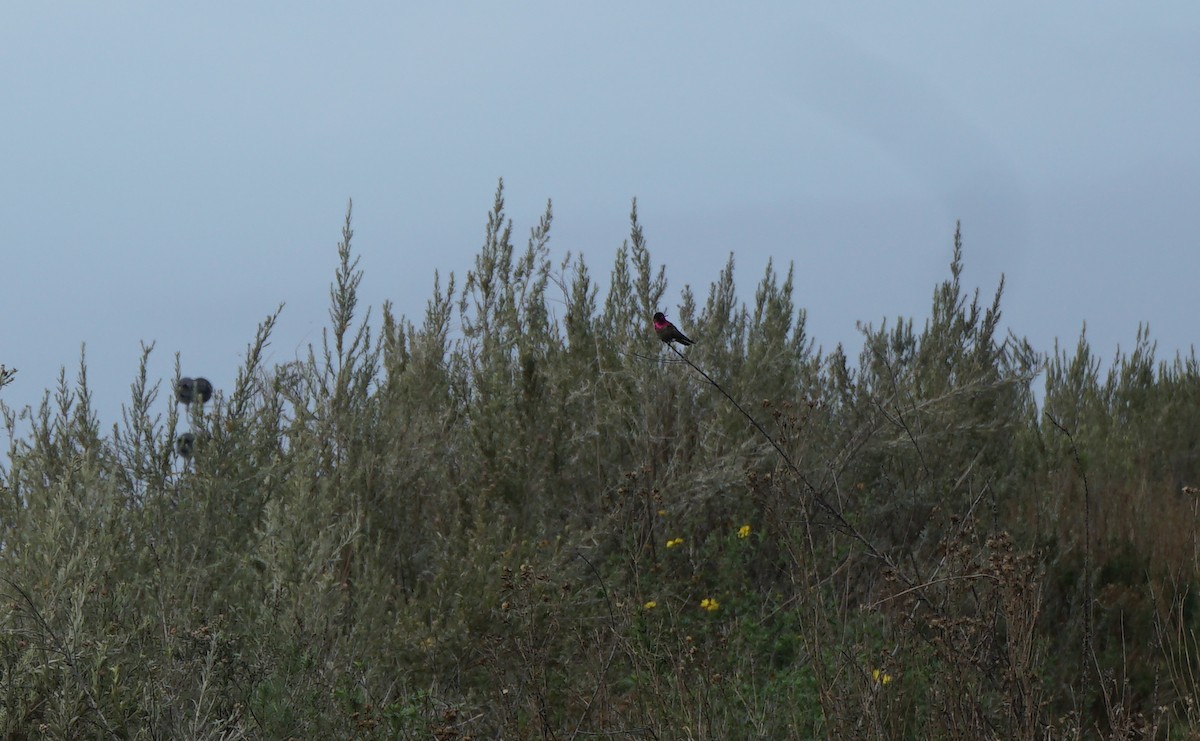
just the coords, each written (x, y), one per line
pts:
(522, 516)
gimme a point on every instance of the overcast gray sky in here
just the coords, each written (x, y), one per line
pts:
(172, 172)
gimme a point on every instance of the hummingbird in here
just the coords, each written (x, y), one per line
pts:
(668, 332)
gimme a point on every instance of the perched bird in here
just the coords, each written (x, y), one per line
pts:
(668, 332)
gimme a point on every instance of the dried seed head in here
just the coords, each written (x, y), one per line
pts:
(185, 390)
(185, 445)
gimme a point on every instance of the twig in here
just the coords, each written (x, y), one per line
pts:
(1087, 555)
(919, 587)
(840, 519)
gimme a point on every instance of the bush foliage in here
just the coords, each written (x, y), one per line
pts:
(522, 516)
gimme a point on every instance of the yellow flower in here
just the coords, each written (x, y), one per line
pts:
(881, 677)
(710, 604)
(650, 605)
(674, 542)
(744, 531)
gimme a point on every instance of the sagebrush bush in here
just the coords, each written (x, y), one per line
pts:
(521, 516)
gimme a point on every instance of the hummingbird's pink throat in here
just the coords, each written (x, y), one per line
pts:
(659, 324)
